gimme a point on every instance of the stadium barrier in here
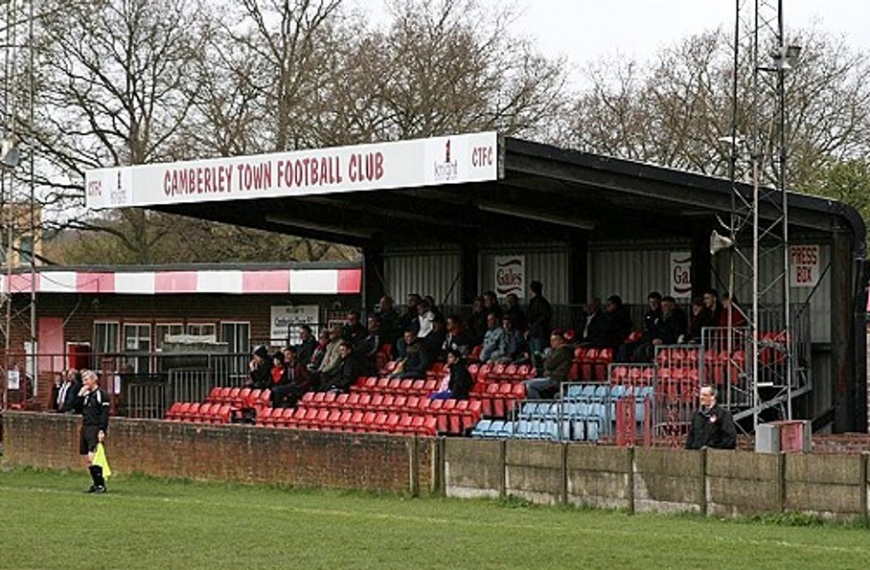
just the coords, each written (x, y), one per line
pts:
(706, 482)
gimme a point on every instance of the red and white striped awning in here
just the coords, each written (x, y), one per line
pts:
(229, 281)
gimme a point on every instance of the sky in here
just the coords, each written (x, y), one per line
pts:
(583, 31)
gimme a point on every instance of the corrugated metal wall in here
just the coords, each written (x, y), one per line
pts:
(631, 269)
(819, 298)
(433, 272)
(549, 266)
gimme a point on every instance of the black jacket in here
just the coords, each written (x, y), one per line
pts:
(94, 408)
(460, 383)
(712, 428)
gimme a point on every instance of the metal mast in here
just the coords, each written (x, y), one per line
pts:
(760, 260)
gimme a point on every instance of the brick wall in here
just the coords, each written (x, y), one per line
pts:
(231, 453)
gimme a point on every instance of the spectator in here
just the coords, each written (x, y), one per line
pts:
(556, 368)
(353, 330)
(434, 343)
(701, 318)
(425, 316)
(493, 340)
(433, 306)
(458, 382)
(540, 317)
(55, 391)
(295, 381)
(69, 391)
(640, 350)
(712, 425)
(305, 349)
(416, 361)
(260, 375)
(319, 351)
(514, 348)
(667, 330)
(368, 348)
(515, 312)
(616, 325)
(409, 318)
(389, 320)
(332, 354)
(277, 368)
(711, 301)
(490, 304)
(477, 321)
(345, 373)
(592, 327)
(457, 338)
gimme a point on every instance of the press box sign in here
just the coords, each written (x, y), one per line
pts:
(806, 265)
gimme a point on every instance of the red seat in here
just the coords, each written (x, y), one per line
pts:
(387, 402)
(429, 426)
(376, 401)
(406, 385)
(475, 353)
(233, 396)
(405, 424)
(222, 414)
(418, 387)
(214, 395)
(483, 372)
(412, 403)
(355, 422)
(399, 402)
(174, 410)
(379, 422)
(391, 424)
(605, 357)
(284, 418)
(619, 374)
(393, 385)
(243, 396)
(352, 401)
(294, 420)
(341, 401)
(444, 415)
(586, 365)
(471, 415)
(473, 369)
(191, 412)
(344, 420)
(579, 354)
(429, 387)
(382, 385)
(498, 372)
(329, 399)
(331, 421)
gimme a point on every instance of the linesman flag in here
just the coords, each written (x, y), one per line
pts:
(101, 460)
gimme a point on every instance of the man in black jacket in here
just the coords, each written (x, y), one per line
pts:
(346, 372)
(92, 403)
(712, 425)
(540, 319)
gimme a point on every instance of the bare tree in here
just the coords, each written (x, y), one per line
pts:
(442, 66)
(113, 92)
(675, 112)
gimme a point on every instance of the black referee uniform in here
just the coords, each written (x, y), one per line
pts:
(94, 407)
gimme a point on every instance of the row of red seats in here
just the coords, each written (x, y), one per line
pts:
(590, 364)
(241, 397)
(467, 412)
(350, 421)
(498, 398)
(452, 417)
(200, 412)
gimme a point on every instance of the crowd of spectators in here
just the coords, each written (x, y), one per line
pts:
(420, 335)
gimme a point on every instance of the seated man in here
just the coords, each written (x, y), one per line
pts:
(345, 373)
(556, 368)
(493, 340)
(457, 338)
(295, 381)
(416, 361)
(514, 347)
(260, 375)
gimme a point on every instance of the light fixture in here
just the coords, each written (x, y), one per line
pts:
(9, 154)
(319, 227)
(719, 242)
(538, 216)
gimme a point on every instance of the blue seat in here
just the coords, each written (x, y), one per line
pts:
(588, 392)
(549, 429)
(573, 391)
(482, 429)
(601, 393)
(496, 429)
(529, 410)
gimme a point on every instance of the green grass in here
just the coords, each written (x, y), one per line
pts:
(47, 522)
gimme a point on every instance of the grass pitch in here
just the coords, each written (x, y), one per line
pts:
(46, 521)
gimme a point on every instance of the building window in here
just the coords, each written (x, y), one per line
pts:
(167, 330)
(237, 336)
(137, 347)
(106, 337)
(25, 250)
(208, 330)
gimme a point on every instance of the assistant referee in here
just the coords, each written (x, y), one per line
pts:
(93, 404)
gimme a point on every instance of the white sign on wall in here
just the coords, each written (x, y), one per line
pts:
(404, 164)
(510, 275)
(681, 274)
(285, 315)
(806, 265)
